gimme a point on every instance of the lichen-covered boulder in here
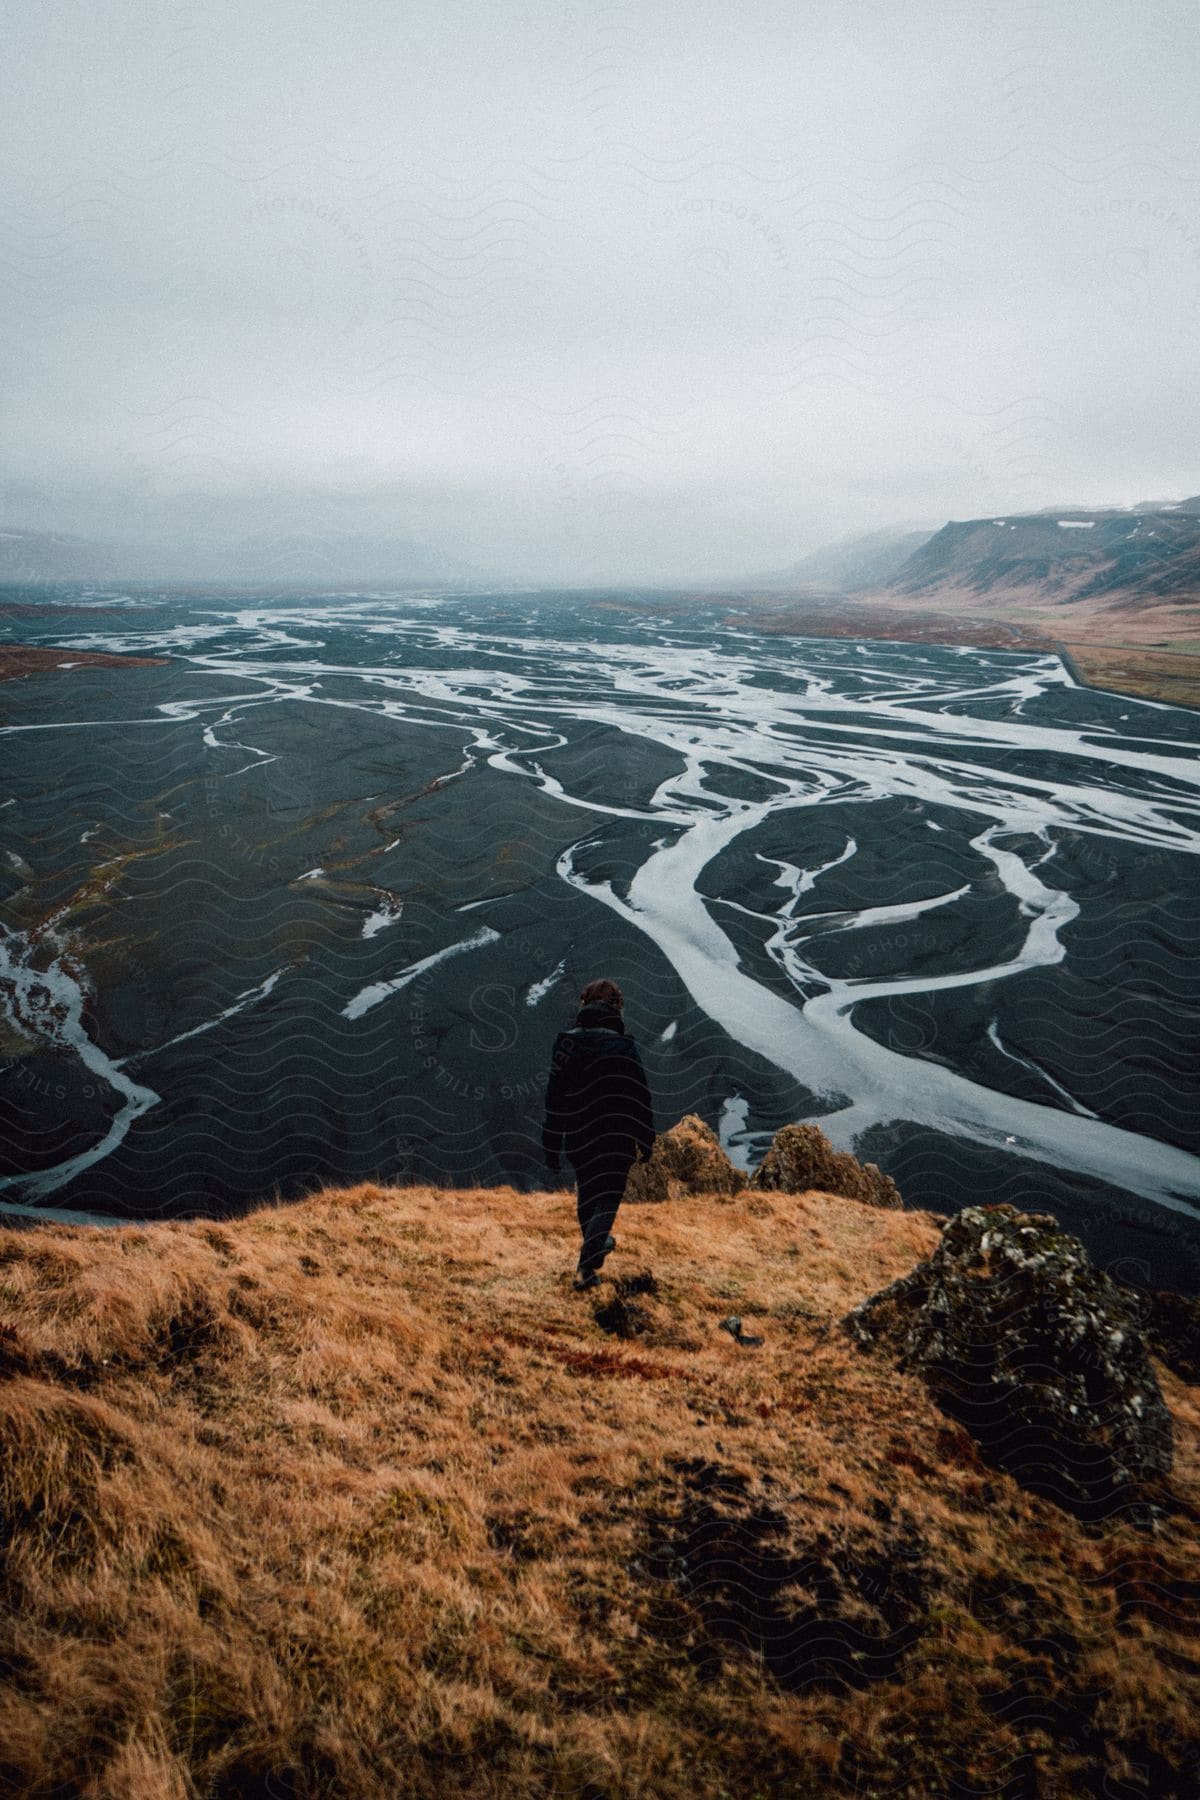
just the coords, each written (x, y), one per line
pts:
(801, 1157)
(688, 1159)
(1036, 1352)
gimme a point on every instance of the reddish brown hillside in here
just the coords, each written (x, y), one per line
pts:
(358, 1498)
(40, 659)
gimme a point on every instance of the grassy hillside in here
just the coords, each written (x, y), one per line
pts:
(356, 1497)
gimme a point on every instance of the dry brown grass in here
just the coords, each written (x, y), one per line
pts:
(1153, 674)
(17, 660)
(357, 1498)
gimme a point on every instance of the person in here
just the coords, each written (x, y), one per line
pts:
(598, 1111)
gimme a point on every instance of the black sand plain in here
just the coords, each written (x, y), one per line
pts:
(334, 832)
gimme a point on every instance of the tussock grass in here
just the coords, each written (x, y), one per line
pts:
(356, 1497)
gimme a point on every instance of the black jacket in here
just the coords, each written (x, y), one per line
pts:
(597, 1096)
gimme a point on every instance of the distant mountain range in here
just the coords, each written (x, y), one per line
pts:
(265, 558)
(1145, 553)
(1124, 555)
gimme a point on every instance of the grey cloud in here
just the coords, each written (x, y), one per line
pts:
(593, 293)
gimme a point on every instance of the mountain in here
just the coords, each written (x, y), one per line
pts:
(1121, 557)
(853, 562)
(1118, 587)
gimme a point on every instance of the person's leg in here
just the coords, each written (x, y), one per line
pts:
(588, 1184)
(601, 1186)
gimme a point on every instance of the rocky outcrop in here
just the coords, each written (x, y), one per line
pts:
(1036, 1352)
(801, 1157)
(688, 1159)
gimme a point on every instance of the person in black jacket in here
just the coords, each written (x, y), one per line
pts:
(598, 1110)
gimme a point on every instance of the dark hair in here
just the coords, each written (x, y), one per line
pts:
(604, 990)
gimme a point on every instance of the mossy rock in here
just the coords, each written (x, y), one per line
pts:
(801, 1157)
(1038, 1353)
(686, 1160)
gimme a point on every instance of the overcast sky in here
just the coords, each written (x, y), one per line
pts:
(589, 292)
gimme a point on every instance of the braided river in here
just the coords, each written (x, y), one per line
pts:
(308, 902)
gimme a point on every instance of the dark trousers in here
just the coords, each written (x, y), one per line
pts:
(601, 1182)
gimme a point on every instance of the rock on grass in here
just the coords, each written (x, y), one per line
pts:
(688, 1159)
(801, 1157)
(1037, 1352)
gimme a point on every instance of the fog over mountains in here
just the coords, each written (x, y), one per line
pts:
(854, 562)
(1147, 553)
(591, 295)
(260, 558)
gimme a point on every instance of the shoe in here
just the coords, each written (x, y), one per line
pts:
(610, 1244)
(583, 1282)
